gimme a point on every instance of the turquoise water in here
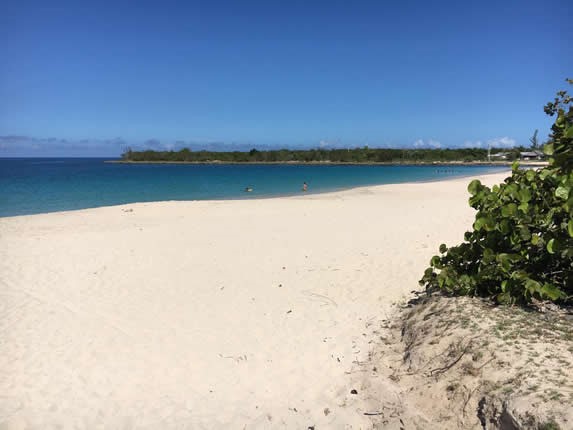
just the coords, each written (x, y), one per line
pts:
(32, 185)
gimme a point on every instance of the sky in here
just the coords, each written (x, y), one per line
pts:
(91, 78)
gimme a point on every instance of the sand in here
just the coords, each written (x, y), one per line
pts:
(465, 363)
(210, 314)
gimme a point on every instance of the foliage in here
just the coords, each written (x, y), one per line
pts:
(521, 246)
(356, 155)
(534, 141)
(561, 147)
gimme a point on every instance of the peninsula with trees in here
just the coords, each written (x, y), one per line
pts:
(364, 155)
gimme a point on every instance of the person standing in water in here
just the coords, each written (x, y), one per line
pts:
(304, 186)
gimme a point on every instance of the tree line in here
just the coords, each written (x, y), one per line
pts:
(355, 155)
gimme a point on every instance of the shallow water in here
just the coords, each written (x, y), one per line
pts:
(32, 185)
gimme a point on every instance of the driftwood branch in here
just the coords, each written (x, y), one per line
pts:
(447, 367)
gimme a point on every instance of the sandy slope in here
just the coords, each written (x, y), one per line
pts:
(209, 314)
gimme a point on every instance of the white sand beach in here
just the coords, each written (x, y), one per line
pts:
(210, 314)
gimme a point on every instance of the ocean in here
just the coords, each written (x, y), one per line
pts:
(35, 185)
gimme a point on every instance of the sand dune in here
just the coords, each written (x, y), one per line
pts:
(220, 314)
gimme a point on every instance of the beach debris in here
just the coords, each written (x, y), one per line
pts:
(280, 285)
(127, 210)
(353, 391)
(373, 413)
(310, 427)
(326, 412)
(322, 299)
(235, 358)
(284, 267)
(289, 311)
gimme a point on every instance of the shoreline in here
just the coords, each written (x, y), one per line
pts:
(262, 197)
(340, 163)
(212, 314)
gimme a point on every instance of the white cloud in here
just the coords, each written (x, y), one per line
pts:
(473, 144)
(502, 142)
(336, 144)
(430, 143)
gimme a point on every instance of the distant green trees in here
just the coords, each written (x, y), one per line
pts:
(521, 246)
(534, 141)
(356, 155)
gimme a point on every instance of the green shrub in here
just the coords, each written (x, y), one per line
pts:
(521, 246)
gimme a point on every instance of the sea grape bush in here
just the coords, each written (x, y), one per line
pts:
(521, 246)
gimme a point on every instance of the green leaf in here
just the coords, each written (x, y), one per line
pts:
(488, 256)
(534, 239)
(550, 246)
(509, 210)
(504, 299)
(512, 191)
(443, 248)
(562, 192)
(544, 174)
(489, 224)
(570, 227)
(435, 261)
(474, 187)
(524, 195)
(524, 233)
(504, 226)
(548, 149)
(532, 286)
(530, 175)
(551, 292)
(505, 260)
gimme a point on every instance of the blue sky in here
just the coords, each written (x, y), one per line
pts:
(89, 78)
